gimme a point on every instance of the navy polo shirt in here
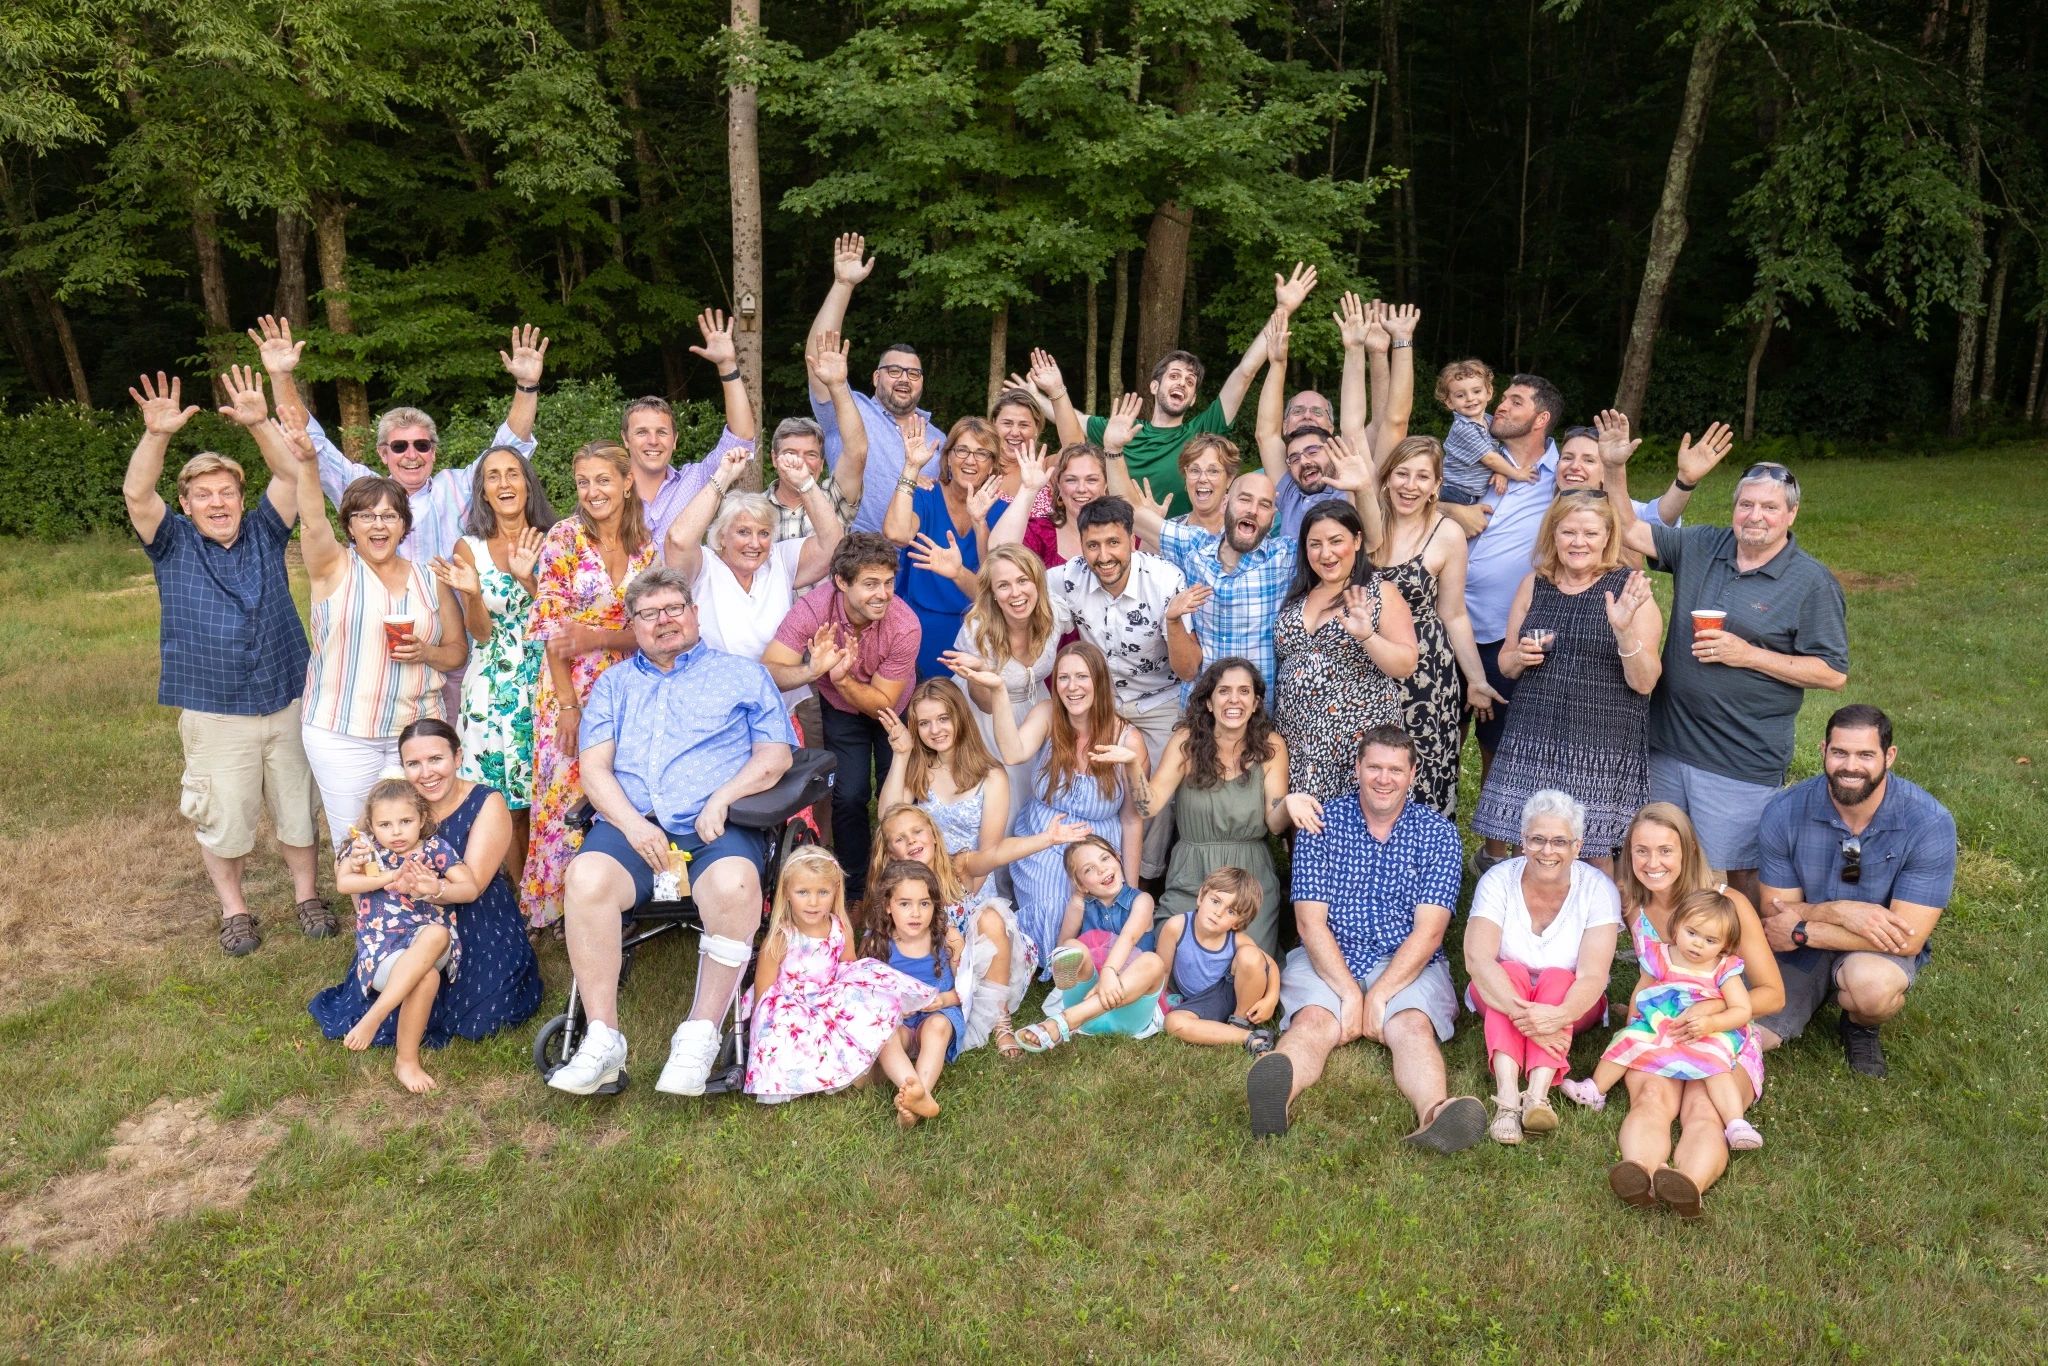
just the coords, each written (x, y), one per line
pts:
(231, 641)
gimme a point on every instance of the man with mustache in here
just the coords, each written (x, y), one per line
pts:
(1858, 865)
(886, 415)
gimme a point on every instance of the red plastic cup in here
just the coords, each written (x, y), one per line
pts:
(396, 630)
(1706, 619)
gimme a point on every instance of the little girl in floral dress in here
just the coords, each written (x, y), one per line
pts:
(822, 1015)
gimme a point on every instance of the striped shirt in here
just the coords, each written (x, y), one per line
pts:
(353, 686)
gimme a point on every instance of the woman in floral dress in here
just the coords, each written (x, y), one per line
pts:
(579, 611)
(492, 570)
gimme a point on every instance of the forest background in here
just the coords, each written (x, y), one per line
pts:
(1819, 218)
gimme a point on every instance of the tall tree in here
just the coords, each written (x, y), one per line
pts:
(1969, 316)
(743, 160)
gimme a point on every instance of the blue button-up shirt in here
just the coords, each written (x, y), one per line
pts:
(1244, 599)
(885, 453)
(1908, 849)
(681, 734)
(1502, 555)
(438, 509)
(1372, 887)
(1290, 505)
(231, 642)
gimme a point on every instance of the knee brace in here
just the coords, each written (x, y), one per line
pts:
(728, 953)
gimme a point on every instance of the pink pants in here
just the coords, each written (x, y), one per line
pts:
(1546, 988)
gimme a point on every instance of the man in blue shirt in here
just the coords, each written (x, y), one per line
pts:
(233, 651)
(1375, 878)
(1858, 865)
(671, 737)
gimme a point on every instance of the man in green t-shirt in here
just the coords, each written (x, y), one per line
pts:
(1153, 455)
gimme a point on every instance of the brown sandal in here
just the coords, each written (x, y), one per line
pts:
(1006, 1039)
(1629, 1181)
(1677, 1193)
(238, 936)
(316, 921)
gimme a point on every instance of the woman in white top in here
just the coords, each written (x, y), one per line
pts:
(1538, 948)
(745, 586)
(1012, 629)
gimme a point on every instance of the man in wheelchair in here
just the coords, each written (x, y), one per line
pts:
(670, 738)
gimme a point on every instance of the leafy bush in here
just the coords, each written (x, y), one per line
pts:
(61, 466)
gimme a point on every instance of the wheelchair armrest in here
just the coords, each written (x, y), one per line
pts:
(805, 784)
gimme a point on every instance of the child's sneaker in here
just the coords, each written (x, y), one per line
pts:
(1742, 1136)
(1071, 966)
(1583, 1091)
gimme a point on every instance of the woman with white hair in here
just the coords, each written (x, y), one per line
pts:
(745, 585)
(1538, 949)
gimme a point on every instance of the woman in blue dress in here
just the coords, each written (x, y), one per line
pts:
(943, 529)
(500, 980)
(1087, 764)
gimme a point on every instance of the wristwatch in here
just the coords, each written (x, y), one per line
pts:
(1799, 934)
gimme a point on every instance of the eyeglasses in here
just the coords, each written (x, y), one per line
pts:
(1852, 861)
(1771, 471)
(382, 515)
(424, 445)
(650, 615)
(1559, 842)
(901, 371)
(1295, 457)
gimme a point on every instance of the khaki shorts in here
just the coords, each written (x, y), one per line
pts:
(235, 767)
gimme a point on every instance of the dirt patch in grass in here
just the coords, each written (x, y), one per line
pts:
(1856, 581)
(171, 1160)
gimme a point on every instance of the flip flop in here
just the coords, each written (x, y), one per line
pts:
(1677, 1193)
(1267, 1088)
(1457, 1124)
(1629, 1181)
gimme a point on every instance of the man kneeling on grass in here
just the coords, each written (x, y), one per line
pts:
(1375, 878)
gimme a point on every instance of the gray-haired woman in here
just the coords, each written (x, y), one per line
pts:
(1538, 948)
(745, 585)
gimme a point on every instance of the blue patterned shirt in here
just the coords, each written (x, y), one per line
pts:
(1238, 617)
(1372, 887)
(681, 734)
(231, 640)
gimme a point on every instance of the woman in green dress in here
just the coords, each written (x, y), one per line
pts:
(1225, 769)
(492, 572)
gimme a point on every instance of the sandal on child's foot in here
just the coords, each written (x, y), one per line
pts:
(1006, 1039)
(1048, 1033)
(1258, 1042)
(1071, 966)
(1742, 1136)
(1583, 1091)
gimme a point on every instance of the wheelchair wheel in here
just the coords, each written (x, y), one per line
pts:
(548, 1045)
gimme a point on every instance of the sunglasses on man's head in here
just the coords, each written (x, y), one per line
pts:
(1852, 861)
(1773, 471)
(424, 445)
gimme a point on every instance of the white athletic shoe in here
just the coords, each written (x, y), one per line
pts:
(597, 1062)
(691, 1054)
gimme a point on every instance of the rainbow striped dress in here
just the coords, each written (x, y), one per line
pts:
(1644, 1043)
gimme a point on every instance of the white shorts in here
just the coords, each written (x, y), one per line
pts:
(346, 767)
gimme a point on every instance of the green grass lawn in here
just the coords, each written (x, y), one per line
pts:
(1102, 1202)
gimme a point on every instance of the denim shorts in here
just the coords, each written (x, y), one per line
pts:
(1725, 812)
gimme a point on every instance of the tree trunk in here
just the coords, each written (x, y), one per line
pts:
(213, 294)
(22, 338)
(1119, 316)
(67, 345)
(1668, 229)
(647, 188)
(1969, 317)
(2028, 410)
(291, 268)
(998, 353)
(743, 165)
(1091, 370)
(1987, 373)
(330, 241)
(1402, 206)
(1163, 284)
(1759, 342)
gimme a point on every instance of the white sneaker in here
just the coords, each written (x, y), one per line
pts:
(597, 1062)
(691, 1054)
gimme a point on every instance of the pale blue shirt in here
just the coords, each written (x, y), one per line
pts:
(438, 510)
(885, 453)
(681, 734)
(682, 483)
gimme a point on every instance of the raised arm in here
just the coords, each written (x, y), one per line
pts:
(1288, 293)
(1392, 416)
(1352, 412)
(825, 358)
(684, 548)
(1015, 743)
(318, 545)
(1351, 470)
(1695, 462)
(524, 362)
(1033, 472)
(280, 353)
(848, 270)
(814, 561)
(1273, 403)
(1117, 430)
(899, 521)
(163, 416)
(1378, 345)
(1047, 380)
(244, 390)
(718, 348)
(1611, 426)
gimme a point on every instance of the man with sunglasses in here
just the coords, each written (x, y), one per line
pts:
(886, 414)
(1858, 865)
(1721, 720)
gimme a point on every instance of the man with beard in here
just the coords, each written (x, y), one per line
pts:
(1721, 720)
(648, 432)
(856, 642)
(1858, 864)
(890, 412)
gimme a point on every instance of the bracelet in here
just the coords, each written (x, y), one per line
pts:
(1397, 344)
(1629, 654)
(733, 378)
(802, 489)
(907, 482)
(1679, 483)
(527, 388)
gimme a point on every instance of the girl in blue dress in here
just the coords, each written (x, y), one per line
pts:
(906, 929)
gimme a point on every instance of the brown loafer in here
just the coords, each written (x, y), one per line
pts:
(238, 936)
(1629, 1181)
(1677, 1193)
(316, 921)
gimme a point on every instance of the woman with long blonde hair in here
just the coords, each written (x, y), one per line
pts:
(1009, 631)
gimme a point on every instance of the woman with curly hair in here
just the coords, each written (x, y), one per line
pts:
(1225, 770)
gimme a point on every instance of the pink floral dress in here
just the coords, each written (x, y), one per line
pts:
(820, 1026)
(573, 590)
